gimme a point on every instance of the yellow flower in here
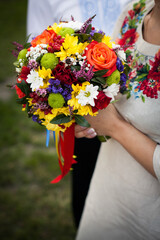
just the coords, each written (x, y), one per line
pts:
(46, 75)
(85, 110)
(39, 113)
(55, 127)
(107, 41)
(55, 28)
(30, 101)
(70, 46)
(73, 102)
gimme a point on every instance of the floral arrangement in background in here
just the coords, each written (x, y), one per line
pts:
(68, 71)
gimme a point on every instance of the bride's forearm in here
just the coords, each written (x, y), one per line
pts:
(136, 143)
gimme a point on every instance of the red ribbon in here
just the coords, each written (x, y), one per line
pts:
(66, 150)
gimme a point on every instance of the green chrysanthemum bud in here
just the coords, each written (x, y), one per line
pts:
(113, 78)
(22, 54)
(49, 60)
(56, 100)
(65, 30)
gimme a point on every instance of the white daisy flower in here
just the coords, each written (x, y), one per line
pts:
(88, 95)
(35, 80)
(112, 91)
(75, 25)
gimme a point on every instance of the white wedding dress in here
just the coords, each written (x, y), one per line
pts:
(123, 202)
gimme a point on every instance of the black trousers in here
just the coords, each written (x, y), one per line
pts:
(86, 151)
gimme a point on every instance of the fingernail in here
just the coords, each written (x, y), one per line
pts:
(91, 131)
(93, 134)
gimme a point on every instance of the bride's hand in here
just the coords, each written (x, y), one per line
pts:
(105, 123)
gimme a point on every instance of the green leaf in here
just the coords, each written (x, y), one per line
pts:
(16, 63)
(128, 95)
(128, 53)
(141, 77)
(100, 73)
(147, 67)
(21, 100)
(77, 68)
(101, 80)
(98, 37)
(80, 120)
(81, 79)
(143, 98)
(62, 118)
(24, 87)
(98, 80)
(89, 28)
(126, 69)
(27, 45)
(103, 138)
(28, 108)
(82, 37)
(132, 23)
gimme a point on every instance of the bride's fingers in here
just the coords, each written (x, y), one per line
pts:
(84, 132)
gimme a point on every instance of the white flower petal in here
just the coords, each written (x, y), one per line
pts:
(122, 55)
(112, 90)
(75, 25)
(35, 80)
(88, 95)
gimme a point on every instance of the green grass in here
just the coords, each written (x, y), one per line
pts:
(13, 28)
(30, 207)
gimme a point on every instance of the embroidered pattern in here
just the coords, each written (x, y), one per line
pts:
(144, 80)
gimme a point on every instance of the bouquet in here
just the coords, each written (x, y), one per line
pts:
(68, 71)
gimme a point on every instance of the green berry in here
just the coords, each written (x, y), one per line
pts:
(49, 60)
(113, 78)
(65, 30)
(56, 100)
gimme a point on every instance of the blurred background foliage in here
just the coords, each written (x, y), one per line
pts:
(30, 207)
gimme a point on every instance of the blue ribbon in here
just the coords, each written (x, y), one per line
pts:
(48, 137)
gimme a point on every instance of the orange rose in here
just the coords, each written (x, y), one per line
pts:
(101, 57)
(44, 38)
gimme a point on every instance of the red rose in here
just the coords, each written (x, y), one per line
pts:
(101, 102)
(64, 74)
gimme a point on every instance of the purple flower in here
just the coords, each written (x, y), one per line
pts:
(83, 73)
(55, 86)
(18, 48)
(32, 64)
(123, 80)
(119, 65)
(93, 31)
(36, 119)
(67, 92)
(41, 92)
(86, 24)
